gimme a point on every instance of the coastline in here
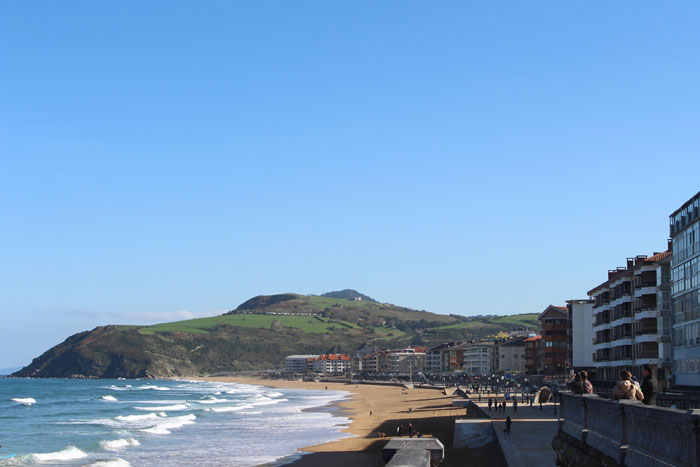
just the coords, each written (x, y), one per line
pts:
(428, 410)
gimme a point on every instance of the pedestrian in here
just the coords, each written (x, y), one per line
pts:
(370, 412)
(649, 385)
(509, 422)
(503, 406)
(587, 385)
(410, 430)
(490, 404)
(575, 384)
(399, 430)
(626, 388)
(479, 397)
(515, 405)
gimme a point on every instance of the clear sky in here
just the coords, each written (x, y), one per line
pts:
(162, 160)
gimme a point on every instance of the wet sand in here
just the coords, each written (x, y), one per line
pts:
(429, 411)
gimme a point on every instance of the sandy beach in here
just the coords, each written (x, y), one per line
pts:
(376, 410)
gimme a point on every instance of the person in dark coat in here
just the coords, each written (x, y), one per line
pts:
(648, 385)
(490, 404)
(509, 422)
(575, 384)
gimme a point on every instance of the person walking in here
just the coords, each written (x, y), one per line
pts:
(490, 404)
(410, 430)
(515, 405)
(648, 385)
(509, 422)
(399, 431)
(626, 388)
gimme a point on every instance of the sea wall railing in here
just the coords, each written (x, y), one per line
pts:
(632, 433)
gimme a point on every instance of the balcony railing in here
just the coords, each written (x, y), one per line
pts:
(648, 354)
(639, 332)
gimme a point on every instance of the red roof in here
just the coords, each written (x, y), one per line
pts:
(658, 257)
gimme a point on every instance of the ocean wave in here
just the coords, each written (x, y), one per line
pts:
(164, 428)
(235, 408)
(211, 400)
(274, 394)
(24, 400)
(117, 462)
(150, 386)
(68, 454)
(258, 412)
(109, 398)
(117, 444)
(166, 408)
(135, 418)
(268, 402)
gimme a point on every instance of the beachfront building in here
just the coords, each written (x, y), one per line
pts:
(534, 355)
(630, 318)
(406, 361)
(479, 358)
(580, 333)
(434, 357)
(553, 328)
(331, 364)
(375, 362)
(511, 356)
(299, 363)
(685, 292)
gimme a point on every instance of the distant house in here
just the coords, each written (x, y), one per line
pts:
(331, 364)
(511, 356)
(554, 329)
(534, 354)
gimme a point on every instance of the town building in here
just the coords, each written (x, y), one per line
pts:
(434, 357)
(331, 364)
(629, 312)
(298, 363)
(511, 356)
(406, 361)
(685, 296)
(553, 328)
(580, 333)
(534, 355)
(479, 358)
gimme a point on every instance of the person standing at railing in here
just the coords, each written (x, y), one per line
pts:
(649, 385)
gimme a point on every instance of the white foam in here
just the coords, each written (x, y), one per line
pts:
(269, 401)
(274, 394)
(164, 408)
(68, 454)
(135, 418)
(25, 400)
(211, 400)
(109, 398)
(235, 408)
(164, 428)
(117, 462)
(117, 444)
(156, 388)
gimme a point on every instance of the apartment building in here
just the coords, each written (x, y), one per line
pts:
(298, 363)
(479, 358)
(331, 364)
(407, 361)
(434, 357)
(685, 293)
(553, 328)
(511, 356)
(580, 333)
(534, 355)
(630, 311)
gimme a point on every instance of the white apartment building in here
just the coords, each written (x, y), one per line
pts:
(479, 358)
(629, 325)
(406, 361)
(331, 364)
(511, 356)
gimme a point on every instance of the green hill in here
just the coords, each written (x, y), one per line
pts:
(256, 335)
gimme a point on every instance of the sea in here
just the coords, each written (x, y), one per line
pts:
(118, 423)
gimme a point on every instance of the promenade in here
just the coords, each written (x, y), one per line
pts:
(531, 434)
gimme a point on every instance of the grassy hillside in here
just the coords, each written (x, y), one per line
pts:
(256, 335)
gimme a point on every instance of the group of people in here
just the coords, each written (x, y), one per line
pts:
(501, 405)
(626, 388)
(629, 388)
(411, 433)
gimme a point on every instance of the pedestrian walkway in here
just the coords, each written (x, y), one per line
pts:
(531, 434)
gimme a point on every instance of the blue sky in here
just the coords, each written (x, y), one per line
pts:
(171, 160)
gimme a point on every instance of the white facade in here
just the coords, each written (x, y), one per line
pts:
(511, 357)
(581, 313)
(330, 366)
(479, 358)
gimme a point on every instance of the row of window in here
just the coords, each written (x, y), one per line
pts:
(687, 307)
(687, 365)
(686, 243)
(556, 344)
(686, 276)
(686, 335)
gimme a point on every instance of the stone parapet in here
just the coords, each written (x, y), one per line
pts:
(632, 433)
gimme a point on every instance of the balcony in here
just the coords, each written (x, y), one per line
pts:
(646, 330)
(648, 354)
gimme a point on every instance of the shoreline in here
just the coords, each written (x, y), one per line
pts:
(427, 409)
